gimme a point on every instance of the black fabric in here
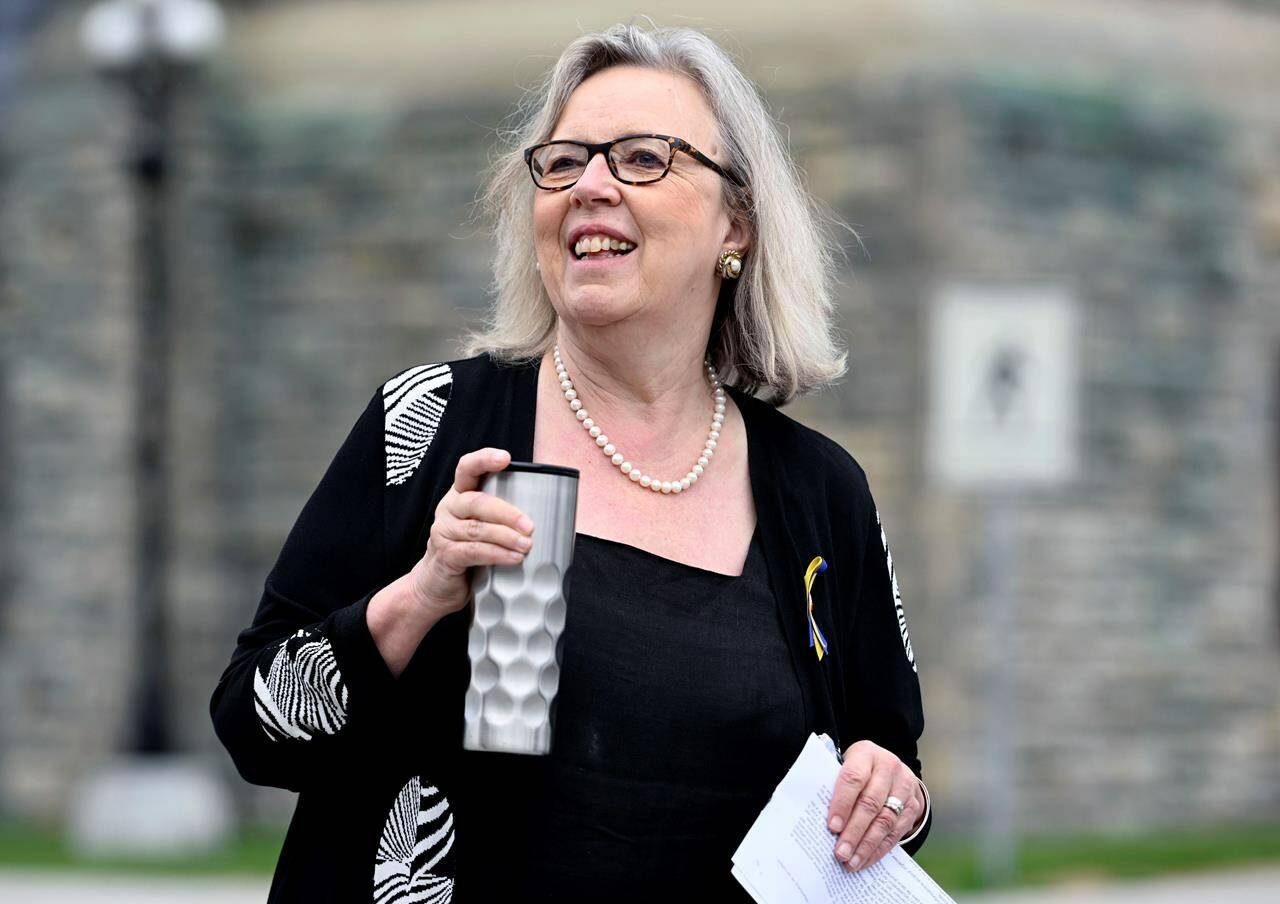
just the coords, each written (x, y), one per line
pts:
(359, 818)
(679, 712)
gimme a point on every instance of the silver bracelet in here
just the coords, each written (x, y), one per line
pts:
(924, 819)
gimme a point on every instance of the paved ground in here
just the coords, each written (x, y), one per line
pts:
(1254, 886)
(32, 887)
(1260, 886)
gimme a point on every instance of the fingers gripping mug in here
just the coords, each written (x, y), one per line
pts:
(517, 622)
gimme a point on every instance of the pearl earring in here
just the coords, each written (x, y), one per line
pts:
(729, 265)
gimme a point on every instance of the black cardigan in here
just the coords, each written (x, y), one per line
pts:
(307, 702)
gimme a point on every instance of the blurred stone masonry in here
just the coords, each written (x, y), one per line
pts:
(323, 242)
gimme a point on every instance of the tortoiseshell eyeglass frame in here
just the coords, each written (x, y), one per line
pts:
(604, 147)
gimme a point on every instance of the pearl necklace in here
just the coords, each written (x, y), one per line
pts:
(620, 461)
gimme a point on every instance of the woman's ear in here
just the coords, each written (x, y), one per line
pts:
(738, 235)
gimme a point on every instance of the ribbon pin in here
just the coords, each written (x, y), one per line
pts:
(816, 640)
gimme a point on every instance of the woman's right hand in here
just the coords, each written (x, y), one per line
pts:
(470, 528)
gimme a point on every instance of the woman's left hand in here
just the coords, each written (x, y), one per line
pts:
(867, 828)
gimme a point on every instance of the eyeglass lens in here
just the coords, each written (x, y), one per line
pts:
(635, 160)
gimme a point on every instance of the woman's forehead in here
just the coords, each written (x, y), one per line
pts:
(627, 100)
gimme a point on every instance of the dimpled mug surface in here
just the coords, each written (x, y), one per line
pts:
(519, 614)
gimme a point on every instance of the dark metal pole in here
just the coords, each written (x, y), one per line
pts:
(151, 84)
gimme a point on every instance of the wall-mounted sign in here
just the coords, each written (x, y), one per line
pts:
(1004, 378)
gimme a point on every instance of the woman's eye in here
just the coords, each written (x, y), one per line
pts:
(560, 163)
(645, 160)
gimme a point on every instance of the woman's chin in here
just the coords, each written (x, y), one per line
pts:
(596, 305)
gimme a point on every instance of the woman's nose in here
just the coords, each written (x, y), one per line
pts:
(596, 183)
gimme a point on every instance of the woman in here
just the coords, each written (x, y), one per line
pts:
(657, 264)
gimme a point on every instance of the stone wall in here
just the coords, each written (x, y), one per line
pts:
(323, 242)
(67, 348)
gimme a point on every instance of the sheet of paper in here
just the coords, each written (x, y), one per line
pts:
(786, 856)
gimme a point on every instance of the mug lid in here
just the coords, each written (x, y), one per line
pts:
(534, 467)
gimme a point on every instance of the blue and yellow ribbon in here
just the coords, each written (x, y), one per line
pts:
(816, 640)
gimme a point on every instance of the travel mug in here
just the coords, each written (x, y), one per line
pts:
(519, 614)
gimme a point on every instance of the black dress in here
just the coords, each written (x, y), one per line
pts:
(678, 713)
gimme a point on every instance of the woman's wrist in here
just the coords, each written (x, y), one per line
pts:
(398, 621)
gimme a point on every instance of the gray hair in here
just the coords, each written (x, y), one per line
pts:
(772, 332)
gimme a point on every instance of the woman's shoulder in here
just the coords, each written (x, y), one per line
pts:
(447, 371)
(454, 398)
(805, 454)
(438, 381)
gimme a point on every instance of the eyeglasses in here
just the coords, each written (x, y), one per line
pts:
(633, 159)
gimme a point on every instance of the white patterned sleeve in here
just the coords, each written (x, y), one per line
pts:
(306, 683)
(300, 694)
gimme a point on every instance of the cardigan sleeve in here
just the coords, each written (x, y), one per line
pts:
(883, 686)
(306, 685)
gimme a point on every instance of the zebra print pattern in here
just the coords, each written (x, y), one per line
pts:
(414, 402)
(897, 597)
(302, 694)
(413, 862)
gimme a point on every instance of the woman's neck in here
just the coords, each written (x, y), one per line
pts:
(649, 398)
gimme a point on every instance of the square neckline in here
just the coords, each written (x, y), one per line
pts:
(751, 546)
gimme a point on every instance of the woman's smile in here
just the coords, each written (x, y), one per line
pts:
(598, 260)
(595, 247)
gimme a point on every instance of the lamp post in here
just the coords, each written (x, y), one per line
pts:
(148, 46)
(153, 800)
